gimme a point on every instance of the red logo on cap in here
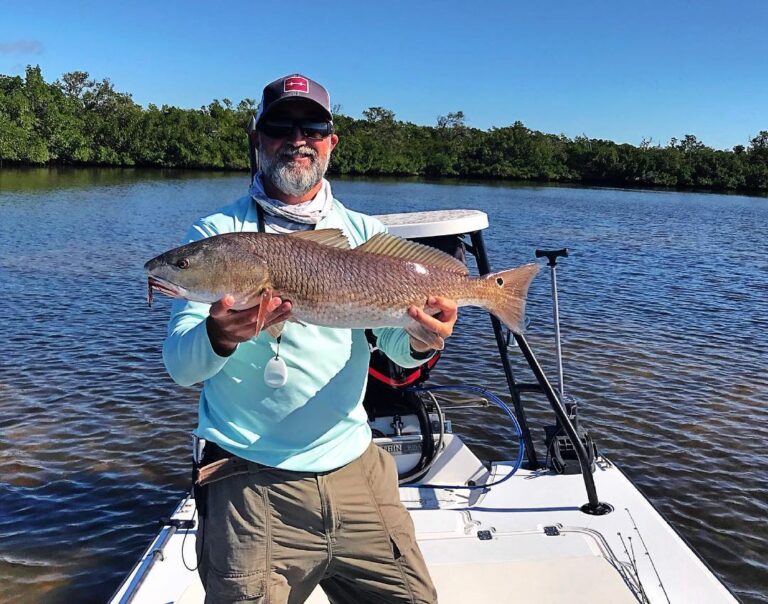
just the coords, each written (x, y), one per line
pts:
(296, 84)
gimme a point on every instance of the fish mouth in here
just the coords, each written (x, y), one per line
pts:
(164, 287)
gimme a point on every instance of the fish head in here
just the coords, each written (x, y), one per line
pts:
(207, 271)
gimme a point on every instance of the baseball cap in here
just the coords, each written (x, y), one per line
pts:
(294, 86)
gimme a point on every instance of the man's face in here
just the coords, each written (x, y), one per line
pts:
(295, 164)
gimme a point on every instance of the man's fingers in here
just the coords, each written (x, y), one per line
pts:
(441, 303)
(278, 318)
(273, 304)
(242, 323)
(426, 320)
(222, 307)
(442, 322)
(448, 307)
(282, 313)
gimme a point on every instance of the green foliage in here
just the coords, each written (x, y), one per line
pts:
(77, 120)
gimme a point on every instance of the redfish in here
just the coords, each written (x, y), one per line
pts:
(329, 284)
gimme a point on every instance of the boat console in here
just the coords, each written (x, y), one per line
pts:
(409, 424)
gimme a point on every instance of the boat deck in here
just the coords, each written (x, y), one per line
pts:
(523, 540)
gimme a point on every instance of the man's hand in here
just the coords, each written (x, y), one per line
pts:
(227, 328)
(441, 323)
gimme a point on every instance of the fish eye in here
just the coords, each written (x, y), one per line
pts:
(499, 281)
(183, 263)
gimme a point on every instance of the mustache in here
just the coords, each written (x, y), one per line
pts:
(304, 150)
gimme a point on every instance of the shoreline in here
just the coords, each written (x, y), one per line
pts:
(8, 169)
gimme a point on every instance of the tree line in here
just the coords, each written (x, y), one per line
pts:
(77, 120)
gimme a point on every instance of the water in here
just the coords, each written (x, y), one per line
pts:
(664, 314)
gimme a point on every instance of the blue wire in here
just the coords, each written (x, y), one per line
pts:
(503, 406)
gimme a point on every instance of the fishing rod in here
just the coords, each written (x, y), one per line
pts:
(253, 157)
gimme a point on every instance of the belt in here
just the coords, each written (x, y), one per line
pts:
(217, 462)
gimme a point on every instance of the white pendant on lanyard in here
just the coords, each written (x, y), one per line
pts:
(276, 371)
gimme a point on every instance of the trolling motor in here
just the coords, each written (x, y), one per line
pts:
(561, 454)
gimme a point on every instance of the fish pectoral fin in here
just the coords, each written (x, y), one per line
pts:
(421, 333)
(276, 329)
(261, 318)
(329, 237)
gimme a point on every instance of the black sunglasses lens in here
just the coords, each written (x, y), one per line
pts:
(283, 128)
(276, 128)
(315, 129)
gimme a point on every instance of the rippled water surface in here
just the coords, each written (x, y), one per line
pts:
(664, 309)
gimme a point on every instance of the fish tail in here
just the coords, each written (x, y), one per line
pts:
(505, 294)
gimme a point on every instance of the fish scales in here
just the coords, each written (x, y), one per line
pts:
(362, 284)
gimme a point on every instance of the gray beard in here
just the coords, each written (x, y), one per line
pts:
(293, 180)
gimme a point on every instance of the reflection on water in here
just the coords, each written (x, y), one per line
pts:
(664, 314)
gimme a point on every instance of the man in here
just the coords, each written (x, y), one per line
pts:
(292, 493)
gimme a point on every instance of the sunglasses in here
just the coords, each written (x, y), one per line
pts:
(309, 128)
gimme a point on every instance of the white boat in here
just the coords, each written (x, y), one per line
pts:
(507, 531)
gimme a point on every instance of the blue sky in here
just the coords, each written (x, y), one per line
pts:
(609, 69)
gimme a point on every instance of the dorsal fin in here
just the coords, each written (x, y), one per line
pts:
(330, 237)
(384, 244)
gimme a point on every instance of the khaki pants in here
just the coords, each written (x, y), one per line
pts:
(271, 536)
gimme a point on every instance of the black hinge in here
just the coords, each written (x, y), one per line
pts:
(484, 535)
(551, 531)
(179, 523)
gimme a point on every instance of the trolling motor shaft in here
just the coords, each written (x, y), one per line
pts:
(552, 256)
(567, 431)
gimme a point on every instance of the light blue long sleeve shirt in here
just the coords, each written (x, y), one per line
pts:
(316, 422)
